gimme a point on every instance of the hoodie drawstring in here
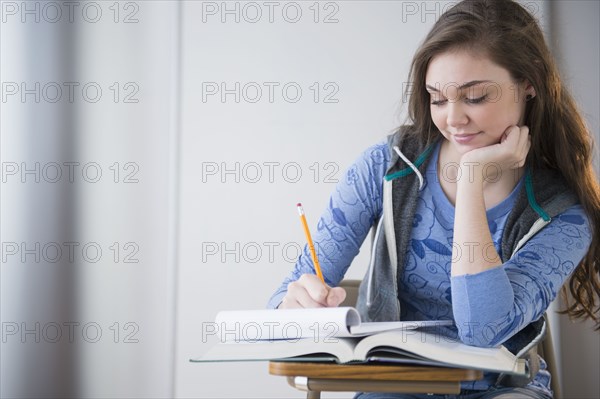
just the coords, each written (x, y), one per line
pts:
(412, 166)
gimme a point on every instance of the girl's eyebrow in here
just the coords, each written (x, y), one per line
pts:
(464, 86)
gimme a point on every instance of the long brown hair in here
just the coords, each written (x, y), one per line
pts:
(509, 36)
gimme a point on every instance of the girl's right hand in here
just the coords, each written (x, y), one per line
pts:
(510, 153)
(310, 292)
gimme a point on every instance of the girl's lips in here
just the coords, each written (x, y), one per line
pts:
(464, 138)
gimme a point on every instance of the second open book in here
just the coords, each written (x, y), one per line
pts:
(338, 335)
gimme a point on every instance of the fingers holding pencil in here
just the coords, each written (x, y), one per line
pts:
(310, 292)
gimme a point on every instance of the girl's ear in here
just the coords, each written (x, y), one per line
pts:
(529, 91)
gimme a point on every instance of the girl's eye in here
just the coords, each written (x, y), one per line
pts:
(476, 100)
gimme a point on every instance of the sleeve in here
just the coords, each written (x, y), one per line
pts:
(491, 306)
(352, 209)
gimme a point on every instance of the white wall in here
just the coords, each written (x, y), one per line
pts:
(575, 33)
(364, 56)
(100, 323)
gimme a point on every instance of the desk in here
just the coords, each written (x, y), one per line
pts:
(317, 377)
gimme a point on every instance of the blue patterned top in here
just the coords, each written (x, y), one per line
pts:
(487, 307)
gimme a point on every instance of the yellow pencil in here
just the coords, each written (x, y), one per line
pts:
(311, 246)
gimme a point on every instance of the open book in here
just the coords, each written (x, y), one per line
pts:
(337, 335)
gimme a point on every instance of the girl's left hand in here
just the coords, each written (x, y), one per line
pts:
(509, 153)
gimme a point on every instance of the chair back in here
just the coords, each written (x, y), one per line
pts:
(351, 287)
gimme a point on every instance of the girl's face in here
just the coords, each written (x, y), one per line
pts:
(473, 100)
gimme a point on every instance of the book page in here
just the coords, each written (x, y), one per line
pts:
(442, 349)
(285, 324)
(375, 327)
(338, 349)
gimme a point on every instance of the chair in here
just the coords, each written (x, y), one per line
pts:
(546, 350)
(316, 378)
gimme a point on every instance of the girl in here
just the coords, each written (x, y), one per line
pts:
(483, 206)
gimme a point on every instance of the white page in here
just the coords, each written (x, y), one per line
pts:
(374, 327)
(441, 349)
(287, 324)
(340, 348)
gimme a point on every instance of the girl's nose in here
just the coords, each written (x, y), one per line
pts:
(456, 116)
